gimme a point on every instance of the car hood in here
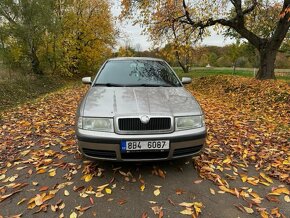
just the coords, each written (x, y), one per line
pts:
(122, 101)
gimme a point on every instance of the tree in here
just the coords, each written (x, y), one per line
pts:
(87, 36)
(233, 14)
(26, 22)
(234, 54)
(67, 37)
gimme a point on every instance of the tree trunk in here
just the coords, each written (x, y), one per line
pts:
(267, 64)
(184, 68)
(35, 64)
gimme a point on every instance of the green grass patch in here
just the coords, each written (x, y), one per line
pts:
(202, 72)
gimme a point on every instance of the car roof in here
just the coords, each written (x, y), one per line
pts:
(135, 58)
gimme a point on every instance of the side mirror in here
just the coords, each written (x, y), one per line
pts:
(87, 80)
(186, 80)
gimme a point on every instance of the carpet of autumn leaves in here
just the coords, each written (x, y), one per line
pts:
(247, 147)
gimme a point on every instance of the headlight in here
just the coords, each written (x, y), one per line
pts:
(192, 122)
(96, 124)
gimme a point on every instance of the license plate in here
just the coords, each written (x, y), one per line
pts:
(135, 146)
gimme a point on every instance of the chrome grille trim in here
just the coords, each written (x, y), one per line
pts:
(133, 125)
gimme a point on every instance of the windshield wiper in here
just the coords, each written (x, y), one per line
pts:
(109, 84)
(149, 85)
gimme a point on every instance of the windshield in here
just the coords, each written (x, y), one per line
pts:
(137, 73)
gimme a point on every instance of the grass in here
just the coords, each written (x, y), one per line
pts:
(18, 91)
(201, 72)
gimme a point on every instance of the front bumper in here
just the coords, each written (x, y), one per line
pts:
(106, 146)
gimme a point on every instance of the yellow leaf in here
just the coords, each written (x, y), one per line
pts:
(227, 160)
(157, 192)
(264, 214)
(41, 171)
(225, 189)
(52, 172)
(279, 191)
(66, 192)
(185, 204)
(31, 206)
(108, 191)
(21, 201)
(47, 197)
(38, 200)
(83, 195)
(102, 187)
(88, 177)
(287, 198)
(212, 191)
(265, 183)
(99, 194)
(2, 177)
(244, 177)
(142, 187)
(267, 178)
(73, 215)
(187, 212)
(249, 210)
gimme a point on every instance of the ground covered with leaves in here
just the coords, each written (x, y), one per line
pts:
(244, 170)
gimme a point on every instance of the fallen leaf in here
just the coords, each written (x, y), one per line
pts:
(142, 187)
(187, 211)
(264, 214)
(3, 197)
(87, 177)
(83, 209)
(144, 215)
(287, 198)
(267, 178)
(21, 201)
(99, 194)
(249, 210)
(66, 192)
(52, 172)
(197, 181)
(73, 215)
(171, 202)
(161, 173)
(179, 191)
(38, 200)
(108, 191)
(157, 210)
(43, 188)
(279, 191)
(185, 204)
(157, 192)
(102, 187)
(122, 201)
(92, 200)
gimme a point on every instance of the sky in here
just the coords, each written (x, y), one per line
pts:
(133, 34)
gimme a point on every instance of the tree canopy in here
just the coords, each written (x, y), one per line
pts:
(67, 37)
(263, 23)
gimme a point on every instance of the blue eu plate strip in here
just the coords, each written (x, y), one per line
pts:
(123, 145)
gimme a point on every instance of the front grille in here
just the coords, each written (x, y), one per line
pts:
(100, 153)
(145, 155)
(135, 124)
(187, 151)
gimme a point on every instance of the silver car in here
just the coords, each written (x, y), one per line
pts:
(138, 110)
